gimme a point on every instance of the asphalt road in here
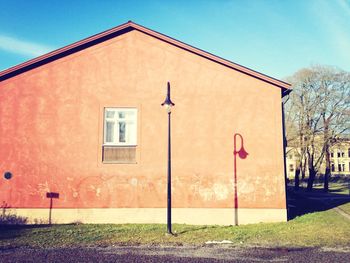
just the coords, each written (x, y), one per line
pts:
(174, 254)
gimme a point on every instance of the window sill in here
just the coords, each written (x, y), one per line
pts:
(118, 162)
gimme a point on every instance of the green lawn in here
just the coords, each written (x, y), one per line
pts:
(345, 208)
(335, 188)
(326, 228)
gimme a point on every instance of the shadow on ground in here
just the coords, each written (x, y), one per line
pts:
(301, 202)
(10, 231)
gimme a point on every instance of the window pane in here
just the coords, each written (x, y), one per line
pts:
(131, 132)
(130, 115)
(122, 131)
(110, 114)
(121, 114)
(109, 131)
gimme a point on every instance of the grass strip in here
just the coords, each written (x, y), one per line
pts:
(326, 228)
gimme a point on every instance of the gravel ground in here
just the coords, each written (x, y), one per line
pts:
(174, 254)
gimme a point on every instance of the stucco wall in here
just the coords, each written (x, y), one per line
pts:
(51, 131)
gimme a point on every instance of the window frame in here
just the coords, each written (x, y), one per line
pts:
(116, 119)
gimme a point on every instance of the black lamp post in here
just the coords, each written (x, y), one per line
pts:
(168, 104)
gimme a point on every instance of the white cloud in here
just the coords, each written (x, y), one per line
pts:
(21, 47)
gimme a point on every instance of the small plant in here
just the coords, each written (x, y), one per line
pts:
(10, 219)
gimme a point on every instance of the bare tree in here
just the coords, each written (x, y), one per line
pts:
(317, 112)
(334, 87)
(304, 117)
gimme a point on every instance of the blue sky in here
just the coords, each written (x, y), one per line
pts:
(275, 37)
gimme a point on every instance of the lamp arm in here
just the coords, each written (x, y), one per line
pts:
(234, 142)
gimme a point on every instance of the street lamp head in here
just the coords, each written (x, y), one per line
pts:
(168, 103)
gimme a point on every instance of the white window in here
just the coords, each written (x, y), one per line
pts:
(341, 167)
(120, 126)
(291, 168)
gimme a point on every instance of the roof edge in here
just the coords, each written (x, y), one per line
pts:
(8, 73)
(211, 56)
(89, 41)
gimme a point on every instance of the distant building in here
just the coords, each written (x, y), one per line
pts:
(292, 159)
(340, 159)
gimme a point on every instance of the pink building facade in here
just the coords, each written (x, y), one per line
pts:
(85, 121)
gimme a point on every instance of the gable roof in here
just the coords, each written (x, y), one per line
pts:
(122, 29)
